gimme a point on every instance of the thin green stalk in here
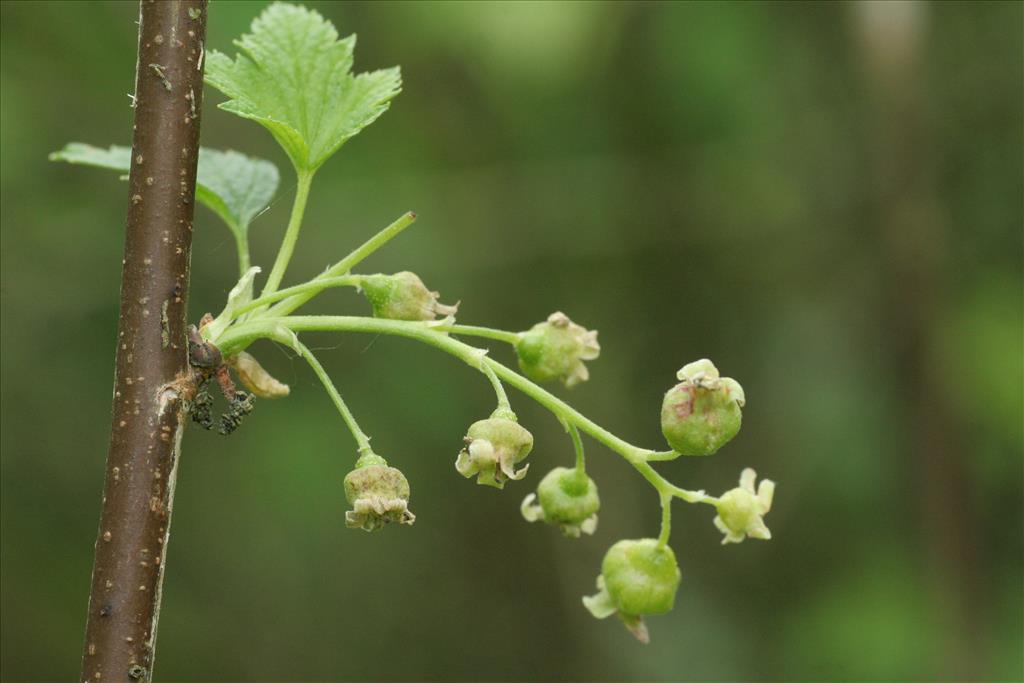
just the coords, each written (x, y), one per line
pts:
(663, 456)
(692, 496)
(499, 389)
(559, 408)
(291, 234)
(242, 245)
(664, 486)
(487, 332)
(346, 264)
(666, 519)
(314, 286)
(362, 441)
(577, 444)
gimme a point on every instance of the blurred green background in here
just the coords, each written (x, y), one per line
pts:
(826, 199)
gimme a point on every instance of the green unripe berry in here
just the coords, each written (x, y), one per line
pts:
(403, 296)
(378, 494)
(493, 447)
(703, 412)
(556, 349)
(568, 495)
(641, 577)
(568, 498)
(638, 578)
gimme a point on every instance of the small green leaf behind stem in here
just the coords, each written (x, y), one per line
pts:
(234, 186)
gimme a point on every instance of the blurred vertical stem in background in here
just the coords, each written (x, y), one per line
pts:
(913, 230)
(150, 383)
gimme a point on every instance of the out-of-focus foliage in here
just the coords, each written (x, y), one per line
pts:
(825, 203)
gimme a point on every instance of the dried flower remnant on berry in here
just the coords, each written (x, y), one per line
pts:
(556, 349)
(378, 494)
(703, 412)
(403, 296)
(493, 447)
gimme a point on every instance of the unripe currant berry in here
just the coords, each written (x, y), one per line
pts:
(741, 510)
(567, 497)
(703, 412)
(378, 494)
(556, 349)
(403, 296)
(638, 578)
(493, 447)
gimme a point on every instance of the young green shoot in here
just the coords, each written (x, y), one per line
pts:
(293, 75)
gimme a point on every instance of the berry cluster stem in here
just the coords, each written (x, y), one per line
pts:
(577, 445)
(485, 332)
(346, 264)
(499, 389)
(362, 441)
(242, 334)
(313, 287)
(666, 519)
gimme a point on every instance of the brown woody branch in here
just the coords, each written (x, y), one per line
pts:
(151, 389)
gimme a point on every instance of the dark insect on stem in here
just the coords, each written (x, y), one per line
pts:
(241, 405)
(207, 361)
(201, 409)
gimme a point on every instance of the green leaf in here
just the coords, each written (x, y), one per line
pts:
(116, 158)
(234, 186)
(294, 77)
